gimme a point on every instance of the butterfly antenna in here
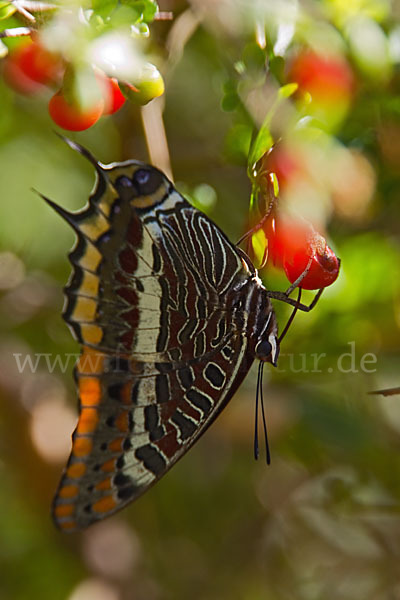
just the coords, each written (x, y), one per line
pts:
(260, 400)
(256, 446)
(292, 316)
(261, 370)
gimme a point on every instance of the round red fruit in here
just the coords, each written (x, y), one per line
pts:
(296, 247)
(286, 237)
(113, 97)
(31, 66)
(320, 260)
(72, 116)
(325, 77)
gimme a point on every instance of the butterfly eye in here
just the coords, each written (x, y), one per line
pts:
(141, 177)
(147, 181)
(263, 349)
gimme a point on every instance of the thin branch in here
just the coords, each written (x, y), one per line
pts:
(164, 15)
(33, 6)
(156, 138)
(22, 11)
(386, 392)
(15, 32)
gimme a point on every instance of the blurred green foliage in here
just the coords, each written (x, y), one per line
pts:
(323, 522)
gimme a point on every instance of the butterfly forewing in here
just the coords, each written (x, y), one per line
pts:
(161, 302)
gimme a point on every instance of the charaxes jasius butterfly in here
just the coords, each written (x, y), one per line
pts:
(170, 316)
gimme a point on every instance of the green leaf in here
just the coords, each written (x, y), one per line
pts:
(254, 57)
(6, 10)
(230, 102)
(125, 15)
(277, 67)
(146, 9)
(261, 145)
(104, 8)
(259, 242)
(264, 139)
(150, 10)
(9, 23)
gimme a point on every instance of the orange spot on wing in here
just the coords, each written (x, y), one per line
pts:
(91, 334)
(64, 510)
(68, 491)
(90, 362)
(116, 445)
(82, 446)
(122, 421)
(88, 420)
(104, 505)
(104, 485)
(126, 394)
(89, 285)
(84, 309)
(109, 466)
(68, 525)
(76, 470)
(89, 391)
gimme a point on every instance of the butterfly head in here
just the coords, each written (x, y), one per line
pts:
(267, 343)
(142, 185)
(267, 349)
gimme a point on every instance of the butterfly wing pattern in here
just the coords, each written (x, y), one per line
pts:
(170, 316)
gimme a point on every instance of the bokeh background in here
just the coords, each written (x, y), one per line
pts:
(323, 521)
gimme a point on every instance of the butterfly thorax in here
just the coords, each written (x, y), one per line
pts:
(255, 317)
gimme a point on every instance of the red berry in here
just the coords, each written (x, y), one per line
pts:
(30, 67)
(323, 270)
(113, 97)
(17, 80)
(40, 65)
(325, 77)
(292, 244)
(71, 116)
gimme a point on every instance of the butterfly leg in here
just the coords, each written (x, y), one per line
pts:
(300, 278)
(282, 296)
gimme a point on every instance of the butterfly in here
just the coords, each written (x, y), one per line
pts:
(170, 316)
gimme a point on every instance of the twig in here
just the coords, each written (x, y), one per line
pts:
(15, 32)
(33, 6)
(164, 15)
(156, 138)
(22, 11)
